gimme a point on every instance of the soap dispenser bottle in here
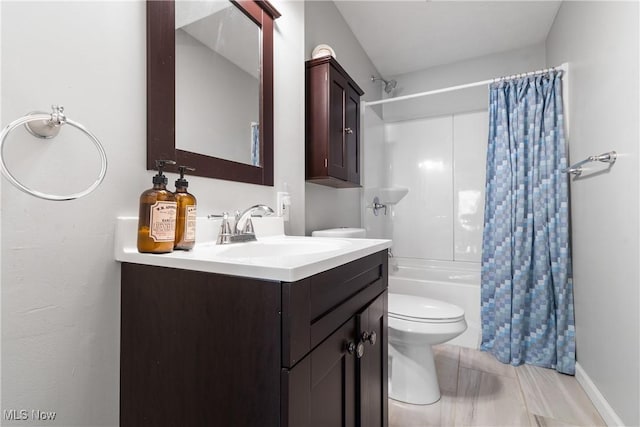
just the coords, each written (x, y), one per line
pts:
(157, 217)
(186, 216)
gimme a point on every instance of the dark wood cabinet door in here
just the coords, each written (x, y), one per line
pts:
(372, 366)
(321, 390)
(198, 349)
(352, 135)
(333, 380)
(338, 90)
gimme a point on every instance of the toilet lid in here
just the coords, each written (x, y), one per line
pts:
(419, 309)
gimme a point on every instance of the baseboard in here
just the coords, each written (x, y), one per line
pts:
(606, 411)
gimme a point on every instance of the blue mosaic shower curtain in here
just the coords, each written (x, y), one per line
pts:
(527, 289)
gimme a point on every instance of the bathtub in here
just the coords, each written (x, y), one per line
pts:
(450, 281)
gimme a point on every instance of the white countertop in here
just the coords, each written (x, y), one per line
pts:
(315, 255)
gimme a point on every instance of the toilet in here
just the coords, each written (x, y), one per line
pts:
(415, 324)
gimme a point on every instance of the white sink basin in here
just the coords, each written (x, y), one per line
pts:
(274, 248)
(273, 257)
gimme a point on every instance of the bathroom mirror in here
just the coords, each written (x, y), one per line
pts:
(210, 87)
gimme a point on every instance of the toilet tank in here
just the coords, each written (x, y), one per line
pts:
(352, 233)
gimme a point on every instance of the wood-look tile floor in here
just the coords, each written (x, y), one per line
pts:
(477, 390)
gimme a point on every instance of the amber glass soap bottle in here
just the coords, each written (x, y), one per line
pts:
(186, 220)
(157, 217)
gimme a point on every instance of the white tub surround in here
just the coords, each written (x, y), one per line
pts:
(273, 257)
(441, 161)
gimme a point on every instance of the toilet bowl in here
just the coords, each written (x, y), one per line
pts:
(415, 324)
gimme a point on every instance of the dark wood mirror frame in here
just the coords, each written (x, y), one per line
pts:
(161, 97)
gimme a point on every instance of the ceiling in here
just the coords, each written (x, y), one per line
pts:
(405, 36)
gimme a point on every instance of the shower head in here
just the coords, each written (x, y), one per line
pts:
(389, 85)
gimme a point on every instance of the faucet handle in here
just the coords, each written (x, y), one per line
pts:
(226, 227)
(248, 227)
(225, 230)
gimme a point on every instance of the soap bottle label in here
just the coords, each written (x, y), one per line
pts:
(163, 222)
(190, 224)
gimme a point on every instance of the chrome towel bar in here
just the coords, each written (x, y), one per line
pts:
(46, 126)
(576, 169)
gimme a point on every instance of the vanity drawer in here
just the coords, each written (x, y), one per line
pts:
(315, 307)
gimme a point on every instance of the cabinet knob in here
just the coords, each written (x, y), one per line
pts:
(357, 349)
(348, 130)
(370, 337)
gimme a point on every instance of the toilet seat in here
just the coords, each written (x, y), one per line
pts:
(423, 310)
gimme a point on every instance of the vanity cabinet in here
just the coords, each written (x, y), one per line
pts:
(332, 124)
(328, 389)
(203, 349)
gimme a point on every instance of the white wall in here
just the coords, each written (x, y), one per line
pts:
(325, 25)
(60, 284)
(329, 207)
(469, 71)
(600, 42)
(2, 120)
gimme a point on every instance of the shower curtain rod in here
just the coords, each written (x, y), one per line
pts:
(564, 67)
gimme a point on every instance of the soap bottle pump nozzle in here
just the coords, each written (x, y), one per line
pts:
(182, 182)
(159, 178)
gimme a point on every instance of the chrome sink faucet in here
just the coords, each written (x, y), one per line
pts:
(242, 230)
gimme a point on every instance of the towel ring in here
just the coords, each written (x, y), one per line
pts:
(47, 126)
